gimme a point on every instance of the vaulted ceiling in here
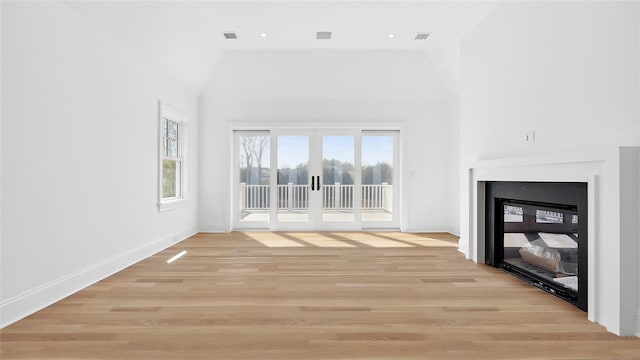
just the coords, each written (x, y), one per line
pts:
(185, 38)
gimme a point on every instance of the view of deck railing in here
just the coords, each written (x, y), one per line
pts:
(254, 197)
(296, 197)
(515, 214)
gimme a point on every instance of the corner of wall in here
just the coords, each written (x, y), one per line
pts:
(34, 300)
(106, 88)
(629, 236)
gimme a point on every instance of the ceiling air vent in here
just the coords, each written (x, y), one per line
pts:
(323, 35)
(421, 36)
(230, 35)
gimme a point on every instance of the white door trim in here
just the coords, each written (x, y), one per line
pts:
(397, 127)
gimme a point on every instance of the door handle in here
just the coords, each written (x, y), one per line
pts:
(318, 182)
(313, 186)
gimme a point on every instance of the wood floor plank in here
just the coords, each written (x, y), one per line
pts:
(297, 295)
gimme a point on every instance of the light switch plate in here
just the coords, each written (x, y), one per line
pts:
(530, 137)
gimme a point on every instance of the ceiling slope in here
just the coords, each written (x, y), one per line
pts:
(186, 40)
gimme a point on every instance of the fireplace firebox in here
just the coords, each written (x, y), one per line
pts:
(537, 231)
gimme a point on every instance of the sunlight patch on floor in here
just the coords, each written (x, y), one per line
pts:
(319, 239)
(327, 242)
(421, 239)
(347, 239)
(270, 239)
(428, 242)
(374, 240)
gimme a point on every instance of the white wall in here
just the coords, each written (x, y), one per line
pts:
(79, 157)
(453, 159)
(332, 87)
(570, 72)
(566, 70)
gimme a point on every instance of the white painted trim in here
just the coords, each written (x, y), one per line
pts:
(234, 171)
(610, 175)
(398, 211)
(315, 131)
(431, 229)
(279, 125)
(172, 204)
(593, 204)
(25, 304)
(589, 155)
(174, 114)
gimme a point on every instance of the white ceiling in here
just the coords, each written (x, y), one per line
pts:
(184, 38)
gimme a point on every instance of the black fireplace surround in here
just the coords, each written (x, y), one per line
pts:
(544, 225)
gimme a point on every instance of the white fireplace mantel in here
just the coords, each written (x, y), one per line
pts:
(613, 180)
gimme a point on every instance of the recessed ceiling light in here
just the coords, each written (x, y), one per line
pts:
(323, 35)
(422, 36)
(264, 35)
(230, 35)
(391, 35)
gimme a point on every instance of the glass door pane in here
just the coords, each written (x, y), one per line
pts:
(379, 197)
(316, 179)
(338, 178)
(293, 178)
(254, 179)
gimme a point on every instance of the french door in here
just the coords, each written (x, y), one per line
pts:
(316, 179)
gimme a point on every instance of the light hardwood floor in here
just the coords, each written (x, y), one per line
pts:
(263, 295)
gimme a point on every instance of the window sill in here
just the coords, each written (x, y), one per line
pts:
(172, 204)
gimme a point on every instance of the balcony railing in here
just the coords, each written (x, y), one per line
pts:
(296, 197)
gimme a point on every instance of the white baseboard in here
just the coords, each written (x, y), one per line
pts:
(434, 229)
(23, 305)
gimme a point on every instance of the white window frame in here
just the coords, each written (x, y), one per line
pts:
(173, 114)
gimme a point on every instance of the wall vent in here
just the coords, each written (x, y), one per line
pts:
(323, 35)
(230, 35)
(422, 36)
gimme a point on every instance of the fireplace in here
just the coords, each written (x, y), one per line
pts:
(537, 231)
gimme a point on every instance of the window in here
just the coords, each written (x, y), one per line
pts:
(513, 214)
(172, 160)
(549, 217)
